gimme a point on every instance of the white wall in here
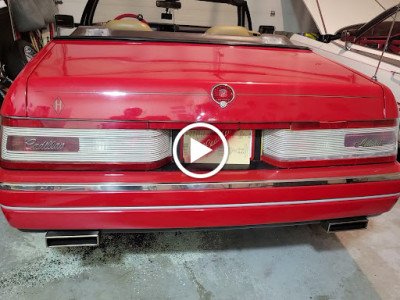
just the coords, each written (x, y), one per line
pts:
(72, 7)
(260, 11)
(192, 12)
(296, 17)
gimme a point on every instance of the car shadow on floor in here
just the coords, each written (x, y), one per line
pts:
(115, 245)
(239, 264)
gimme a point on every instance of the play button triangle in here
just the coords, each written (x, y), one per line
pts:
(197, 150)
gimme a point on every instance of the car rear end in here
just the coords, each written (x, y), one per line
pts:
(88, 127)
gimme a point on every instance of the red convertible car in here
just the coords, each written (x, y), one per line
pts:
(90, 126)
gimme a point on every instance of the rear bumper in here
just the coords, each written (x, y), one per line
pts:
(155, 200)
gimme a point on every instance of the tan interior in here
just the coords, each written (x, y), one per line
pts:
(228, 30)
(101, 31)
(130, 25)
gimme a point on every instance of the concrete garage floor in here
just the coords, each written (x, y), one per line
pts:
(301, 262)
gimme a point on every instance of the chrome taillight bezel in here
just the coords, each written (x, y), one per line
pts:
(321, 147)
(121, 148)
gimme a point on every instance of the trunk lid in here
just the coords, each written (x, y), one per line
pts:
(150, 81)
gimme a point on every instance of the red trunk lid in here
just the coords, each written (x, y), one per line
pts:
(172, 82)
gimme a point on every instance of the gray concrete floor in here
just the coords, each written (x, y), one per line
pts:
(301, 262)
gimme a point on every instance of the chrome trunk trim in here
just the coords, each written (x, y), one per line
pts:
(229, 185)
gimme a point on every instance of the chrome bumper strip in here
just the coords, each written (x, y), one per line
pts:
(206, 206)
(128, 187)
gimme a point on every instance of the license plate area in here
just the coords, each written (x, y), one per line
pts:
(240, 144)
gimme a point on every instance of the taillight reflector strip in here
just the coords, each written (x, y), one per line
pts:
(85, 145)
(329, 144)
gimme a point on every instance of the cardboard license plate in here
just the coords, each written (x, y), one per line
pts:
(240, 144)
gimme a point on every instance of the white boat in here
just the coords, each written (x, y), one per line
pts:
(361, 58)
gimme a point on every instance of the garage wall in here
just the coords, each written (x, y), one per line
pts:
(192, 12)
(296, 17)
(283, 14)
(266, 12)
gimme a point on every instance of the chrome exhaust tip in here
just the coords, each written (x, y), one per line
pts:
(345, 224)
(57, 239)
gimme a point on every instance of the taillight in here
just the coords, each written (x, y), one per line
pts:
(291, 148)
(123, 148)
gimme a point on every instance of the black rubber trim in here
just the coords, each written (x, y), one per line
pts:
(257, 145)
(158, 40)
(222, 228)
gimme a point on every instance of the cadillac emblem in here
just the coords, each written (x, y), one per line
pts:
(222, 94)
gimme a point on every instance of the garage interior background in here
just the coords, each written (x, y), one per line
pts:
(301, 262)
(265, 12)
(285, 15)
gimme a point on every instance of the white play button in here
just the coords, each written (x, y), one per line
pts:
(197, 150)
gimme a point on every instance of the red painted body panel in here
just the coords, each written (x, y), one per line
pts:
(176, 177)
(168, 85)
(124, 80)
(15, 103)
(197, 197)
(191, 218)
(181, 218)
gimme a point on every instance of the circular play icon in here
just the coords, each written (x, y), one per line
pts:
(199, 150)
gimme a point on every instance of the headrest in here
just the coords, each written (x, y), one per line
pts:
(131, 25)
(228, 30)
